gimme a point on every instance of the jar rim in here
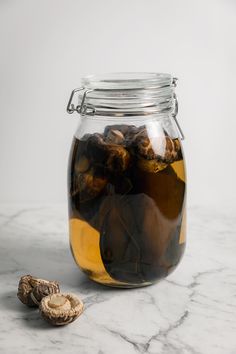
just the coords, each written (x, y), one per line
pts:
(125, 94)
(127, 81)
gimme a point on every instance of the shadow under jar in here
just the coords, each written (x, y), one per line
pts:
(126, 179)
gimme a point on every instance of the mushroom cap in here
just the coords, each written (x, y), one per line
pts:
(82, 165)
(89, 185)
(118, 158)
(42, 290)
(32, 289)
(152, 166)
(162, 148)
(61, 309)
(111, 154)
(115, 136)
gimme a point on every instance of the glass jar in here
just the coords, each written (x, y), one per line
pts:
(126, 179)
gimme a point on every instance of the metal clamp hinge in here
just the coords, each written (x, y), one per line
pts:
(176, 109)
(81, 108)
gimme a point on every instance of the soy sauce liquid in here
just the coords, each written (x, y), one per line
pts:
(130, 228)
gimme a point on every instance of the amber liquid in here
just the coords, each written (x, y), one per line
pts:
(130, 229)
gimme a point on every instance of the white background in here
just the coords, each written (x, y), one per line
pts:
(47, 45)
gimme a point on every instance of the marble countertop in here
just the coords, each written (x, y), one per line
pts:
(192, 311)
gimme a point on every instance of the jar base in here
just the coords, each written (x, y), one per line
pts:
(121, 285)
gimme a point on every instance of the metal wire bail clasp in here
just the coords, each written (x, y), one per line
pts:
(82, 108)
(176, 108)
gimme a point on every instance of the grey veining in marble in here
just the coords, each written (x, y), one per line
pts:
(192, 311)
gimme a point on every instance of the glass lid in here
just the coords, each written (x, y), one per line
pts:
(127, 80)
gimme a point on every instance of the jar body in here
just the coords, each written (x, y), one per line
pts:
(126, 187)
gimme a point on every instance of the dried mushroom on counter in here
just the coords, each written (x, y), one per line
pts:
(58, 309)
(31, 290)
(61, 309)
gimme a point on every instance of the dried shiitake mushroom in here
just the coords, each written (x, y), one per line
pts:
(143, 145)
(162, 148)
(88, 185)
(61, 309)
(151, 165)
(42, 290)
(118, 159)
(115, 136)
(111, 155)
(173, 150)
(82, 165)
(31, 290)
(123, 128)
